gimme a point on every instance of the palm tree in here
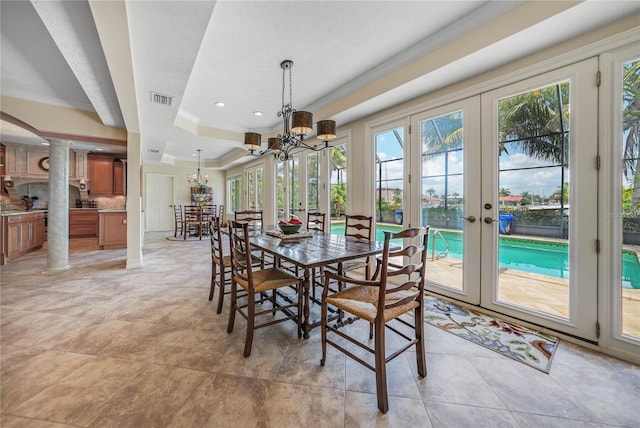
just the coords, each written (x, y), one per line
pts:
(631, 127)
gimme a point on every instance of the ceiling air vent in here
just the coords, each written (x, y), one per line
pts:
(157, 98)
(154, 151)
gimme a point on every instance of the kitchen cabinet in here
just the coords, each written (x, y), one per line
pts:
(83, 223)
(21, 232)
(119, 178)
(112, 229)
(107, 175)
(100, 169)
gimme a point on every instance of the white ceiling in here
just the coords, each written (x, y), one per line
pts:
(351, 59)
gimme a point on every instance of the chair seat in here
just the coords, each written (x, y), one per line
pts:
(362, 301)
(226, 261)
(268, 279)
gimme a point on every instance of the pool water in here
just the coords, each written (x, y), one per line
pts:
(528, 255)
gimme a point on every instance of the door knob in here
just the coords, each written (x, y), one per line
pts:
(470, 219)
(489, 220)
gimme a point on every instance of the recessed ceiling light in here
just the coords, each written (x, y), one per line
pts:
(194, 154)
(98, 149)
(257, 113)
(219, 104)
(45, 143)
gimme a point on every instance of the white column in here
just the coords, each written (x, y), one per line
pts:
(58, 216)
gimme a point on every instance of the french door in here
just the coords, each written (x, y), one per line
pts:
(508, 185)
(297, 186)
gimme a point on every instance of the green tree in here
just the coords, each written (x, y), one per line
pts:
(631, 127)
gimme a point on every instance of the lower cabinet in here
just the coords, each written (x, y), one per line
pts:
(113, 229)
(83, 223)
(21, 233)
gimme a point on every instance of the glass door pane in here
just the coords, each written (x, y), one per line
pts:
(449, 192)
(338, 185)
(255, 188)
(629, 288)
(533, 188)
(313, 182)
(280, 191)
(389, 175)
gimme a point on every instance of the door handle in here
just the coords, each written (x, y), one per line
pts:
(470, 219)
(489, 220)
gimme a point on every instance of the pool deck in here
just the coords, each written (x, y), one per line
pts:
(538, 292)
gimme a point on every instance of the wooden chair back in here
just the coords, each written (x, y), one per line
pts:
(359, 226)
(252, 217)
(316, 221)
(178, 220)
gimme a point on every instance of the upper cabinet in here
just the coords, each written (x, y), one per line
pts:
(106, 175)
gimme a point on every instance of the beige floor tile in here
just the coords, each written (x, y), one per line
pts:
(99, 345)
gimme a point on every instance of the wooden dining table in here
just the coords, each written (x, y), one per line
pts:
(307, 253)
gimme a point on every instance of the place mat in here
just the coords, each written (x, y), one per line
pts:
(290, 236)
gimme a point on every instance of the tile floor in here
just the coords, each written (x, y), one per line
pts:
(100, 346)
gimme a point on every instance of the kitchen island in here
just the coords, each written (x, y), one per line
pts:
(20, 232)
(112, 229)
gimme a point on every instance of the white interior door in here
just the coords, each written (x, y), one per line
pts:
(159, 204)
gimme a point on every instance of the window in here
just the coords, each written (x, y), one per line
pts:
(234, 193)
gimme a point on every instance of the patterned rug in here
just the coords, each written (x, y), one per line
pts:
(520, 343)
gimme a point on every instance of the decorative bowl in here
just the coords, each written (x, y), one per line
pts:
(289, 229)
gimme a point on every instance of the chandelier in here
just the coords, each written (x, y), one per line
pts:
(196, 178)
(296, 124)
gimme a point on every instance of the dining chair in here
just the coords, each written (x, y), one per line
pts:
(315, 221)
(254, 220)
(221, 214)
(193, 220)
(178, 220)
(395, 289)
(220, 263)
(360, 227)
(256, 283)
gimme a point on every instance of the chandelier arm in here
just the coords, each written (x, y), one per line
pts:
(295, 125)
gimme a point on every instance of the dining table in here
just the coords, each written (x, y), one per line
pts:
(309, 250)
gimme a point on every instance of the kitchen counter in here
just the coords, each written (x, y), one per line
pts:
(16, 212)
(112, 210)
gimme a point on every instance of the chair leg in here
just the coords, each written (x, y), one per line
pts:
(381, 367)
(251, 318)
(214, 266)
(300, 291)
(233, 309)
(221, 288)
(421, 359)
(323, 330)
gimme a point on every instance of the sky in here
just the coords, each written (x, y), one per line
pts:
(542, 181)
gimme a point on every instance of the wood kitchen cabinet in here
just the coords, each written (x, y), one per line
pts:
(107, 175)
(113, 229)
(21, 233)
(83, 223)
(100, 171)
(119, 178)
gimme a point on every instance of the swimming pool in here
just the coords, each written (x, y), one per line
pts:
(528, 255)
